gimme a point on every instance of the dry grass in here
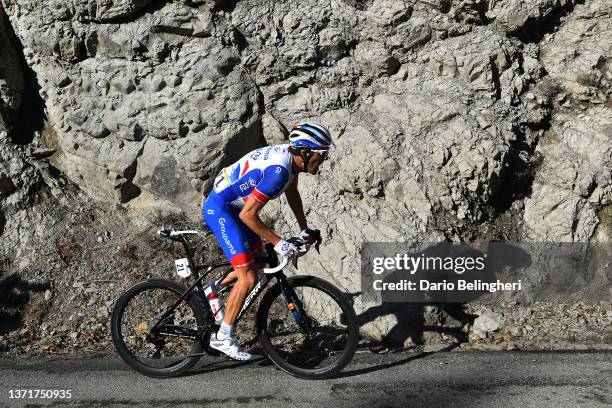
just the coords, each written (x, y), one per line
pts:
(68, 251)
(548, 88)
(591, 79)
(128, 251)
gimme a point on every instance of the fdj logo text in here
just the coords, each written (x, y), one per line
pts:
(249, 183)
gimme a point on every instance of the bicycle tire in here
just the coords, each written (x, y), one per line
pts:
(123, 350)
(348, 315)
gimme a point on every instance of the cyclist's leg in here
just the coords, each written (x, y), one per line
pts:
(234, 239)
(256, 249)
(247, 276)
(228, 280)
(245, 269)
(246, 281)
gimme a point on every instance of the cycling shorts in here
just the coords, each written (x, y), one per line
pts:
(238, 242)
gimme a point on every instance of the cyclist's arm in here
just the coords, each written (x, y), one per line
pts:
(250, 216)
(295, 203)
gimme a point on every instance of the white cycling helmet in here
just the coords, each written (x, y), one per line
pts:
(310, 135)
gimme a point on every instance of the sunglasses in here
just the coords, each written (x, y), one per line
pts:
(323, 155)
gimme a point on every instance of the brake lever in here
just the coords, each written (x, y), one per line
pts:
(294, 262)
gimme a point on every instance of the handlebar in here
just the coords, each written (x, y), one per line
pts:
(280, 266)
(303, 248)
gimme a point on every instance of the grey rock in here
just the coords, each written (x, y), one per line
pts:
(409, 343)
(487, 322)
(515, 15)
(123, 85)
(579, 62)
(434, 347)
(375, 57)
(104, 11)
(102, 311)
(274, 131)
(574, 178)
(514, 330)
(389, 12)
(449, 119)
(140, 85)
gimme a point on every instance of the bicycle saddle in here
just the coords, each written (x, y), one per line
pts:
(166, 233)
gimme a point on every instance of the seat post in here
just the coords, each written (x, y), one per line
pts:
(189, 254)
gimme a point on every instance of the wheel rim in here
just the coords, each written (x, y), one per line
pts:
(320, 342)
(173, 341)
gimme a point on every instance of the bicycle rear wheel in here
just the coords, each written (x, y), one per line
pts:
(313, 335)
(172, 347)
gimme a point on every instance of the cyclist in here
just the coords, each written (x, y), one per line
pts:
(232, 207)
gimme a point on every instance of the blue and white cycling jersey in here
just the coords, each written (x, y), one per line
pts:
(263, 174)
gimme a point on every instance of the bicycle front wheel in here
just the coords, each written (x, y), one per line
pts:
(310, 331)
(150, 345)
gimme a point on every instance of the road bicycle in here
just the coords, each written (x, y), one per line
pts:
(304, 324)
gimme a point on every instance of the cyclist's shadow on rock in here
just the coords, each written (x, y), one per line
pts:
(425, 321)
(415, 322)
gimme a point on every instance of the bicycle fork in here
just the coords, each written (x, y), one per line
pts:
(295, 306)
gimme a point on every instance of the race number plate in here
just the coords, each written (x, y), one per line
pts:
(182, 267)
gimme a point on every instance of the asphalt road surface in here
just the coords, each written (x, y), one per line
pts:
(444, 379)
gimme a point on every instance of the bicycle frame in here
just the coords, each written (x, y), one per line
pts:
(263, 281)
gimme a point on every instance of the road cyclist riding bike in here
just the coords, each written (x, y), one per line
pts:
(304, 324)
(232, 213)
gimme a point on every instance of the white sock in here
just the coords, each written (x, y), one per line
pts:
(225, 331)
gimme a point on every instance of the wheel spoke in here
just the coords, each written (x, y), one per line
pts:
(319, 341)
(154, 345)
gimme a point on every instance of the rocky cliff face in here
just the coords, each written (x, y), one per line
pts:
(452, 119)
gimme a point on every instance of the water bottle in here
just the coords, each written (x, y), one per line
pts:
(215, 304)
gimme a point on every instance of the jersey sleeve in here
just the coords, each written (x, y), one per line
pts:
(271, 184)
